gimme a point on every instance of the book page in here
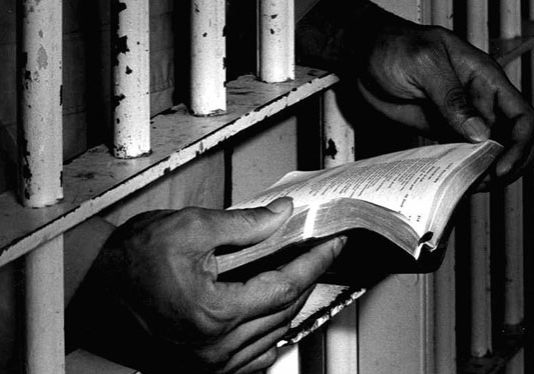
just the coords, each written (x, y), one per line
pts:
(405, 181)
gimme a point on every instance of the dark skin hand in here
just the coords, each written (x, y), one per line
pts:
(415, 74)
(163, 270)
(422, 77)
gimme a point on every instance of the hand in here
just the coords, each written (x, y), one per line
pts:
(428, 78)
(161, 266)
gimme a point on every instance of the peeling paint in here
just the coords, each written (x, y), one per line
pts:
(117, 100)
(42, 58)
(331, 149)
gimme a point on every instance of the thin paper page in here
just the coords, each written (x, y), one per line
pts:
(404, 181)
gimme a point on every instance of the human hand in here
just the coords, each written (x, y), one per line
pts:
(429, 79)
(161, 265)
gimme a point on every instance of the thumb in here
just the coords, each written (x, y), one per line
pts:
(450, 98)
(243, 227)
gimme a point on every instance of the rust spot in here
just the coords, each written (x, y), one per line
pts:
(274, 16)
(120, 46)
(42, 58)
(128, 70)
(272, 31)
(117, 6)
(117, 100)
(40, 33)
(205, 34)
(89, 175)
(331, 149)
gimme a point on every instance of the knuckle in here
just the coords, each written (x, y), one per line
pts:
(194, 219)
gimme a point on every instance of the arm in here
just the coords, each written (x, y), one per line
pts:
(423, 77)
(152, 300)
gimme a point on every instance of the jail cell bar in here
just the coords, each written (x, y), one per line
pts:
(276, 40)
(40, 143)
(44, 264)
(481, 321)
(510, 27)
(208, 53)
(442, 14)
(131, 78)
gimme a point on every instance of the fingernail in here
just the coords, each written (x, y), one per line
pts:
(280, 205)
(475, 129)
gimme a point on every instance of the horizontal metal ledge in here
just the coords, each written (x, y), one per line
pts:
(96, 180)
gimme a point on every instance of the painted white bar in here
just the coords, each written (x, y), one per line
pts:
(341, 338)
(131, 78)
(40, 141)
(477, 23)
(481, 317)
(96, 180)
(513, 221)
(444, 278)
(342, 343)
(208, 53)
(338, 133)
(45, 344)
(287, 362)
(442, 13)
(481, 338)
(41, 146)
(276, 40)
(510, 27)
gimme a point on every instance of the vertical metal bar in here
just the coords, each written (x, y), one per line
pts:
(481, 339)
(287, 362)
(342, 343)
(445, 283)
(45, 344)
(208, 53)
(338, 133)
(442, 13)
(276, 40)
(41, 150)
(510, 27)
(341, 340)
(131, 78)
(40, 104)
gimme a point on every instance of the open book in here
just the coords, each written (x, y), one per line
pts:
(407, 197)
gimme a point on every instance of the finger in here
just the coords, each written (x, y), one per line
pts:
(518, 142)
(275, 290)
(252, 357)
(242, 227)
(248, 332)
(264, 361)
